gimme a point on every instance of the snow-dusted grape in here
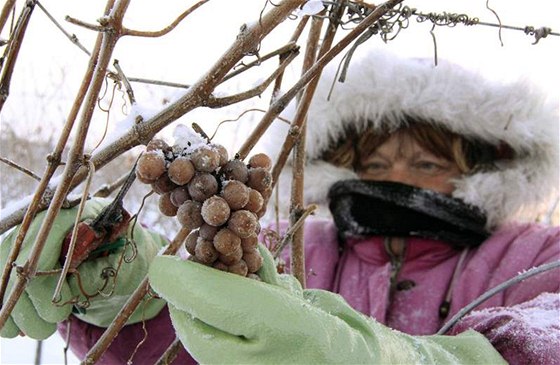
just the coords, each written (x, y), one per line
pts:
(189, 214)
(166, 206)
(181, 170)
(215, 211)
(206, 159)
(202, 186)
(243, 223)
(150, 166)
(260, 160)
(226, 241)
(235, 170)
(236, 194)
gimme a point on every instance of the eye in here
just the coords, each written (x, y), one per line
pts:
(372, 169)
(373, 166)
(429, 166)
(376, 165)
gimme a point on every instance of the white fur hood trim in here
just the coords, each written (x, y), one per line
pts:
(383, 88)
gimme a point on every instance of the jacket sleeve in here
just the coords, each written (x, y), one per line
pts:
(132, 342)
(525, 327)
(527, 333)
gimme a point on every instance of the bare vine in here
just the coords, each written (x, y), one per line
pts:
(28, 172)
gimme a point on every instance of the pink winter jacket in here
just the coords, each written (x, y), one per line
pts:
(521, 322)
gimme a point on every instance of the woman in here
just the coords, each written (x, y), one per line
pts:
(489, 149)
(419, 173)
(429, 181)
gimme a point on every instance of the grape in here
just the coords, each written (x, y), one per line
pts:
(253, 259)
(258, 227)
(157, 144)
(266, 193)
(220, 266)
(189, 214)
(179, 196)
(207, 231)
(260, 160)
(232, 257)
(150, 166)
(205, 159)
(205, 251)
(235, 170)
(215, 211)
(243, 223)
(261, 212)
(193, 259)
(202, 186)
(181, 170)
(259, 179)
(249, 243)
(224, 226)
(163, 185)
(166, 206)
(143, 180)
(239, 268)
(190, 242)
(236, 194)
(255, 201)
(254, 276)
(222, 152)
(226, 241)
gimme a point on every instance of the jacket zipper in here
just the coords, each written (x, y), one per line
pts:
(395, 248)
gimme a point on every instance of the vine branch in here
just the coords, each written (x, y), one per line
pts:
(498, 288)
(98, 66)
(72, 37)
(20, 168)
(6, 10)
(214, 102)
(194, 97)
(169, 28)
(12, 51)
(170, 353)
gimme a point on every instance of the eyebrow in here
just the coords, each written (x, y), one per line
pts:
(375, 154)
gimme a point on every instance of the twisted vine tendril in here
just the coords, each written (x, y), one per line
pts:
(398, 18)
(445, 19)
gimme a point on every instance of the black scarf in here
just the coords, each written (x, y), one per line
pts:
(380, 208)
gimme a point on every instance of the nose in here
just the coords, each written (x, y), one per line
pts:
(401, 175)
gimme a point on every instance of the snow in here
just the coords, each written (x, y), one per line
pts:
(311, 7)
(14, 206)
(543, 319)
(186, 137)
(138, 114)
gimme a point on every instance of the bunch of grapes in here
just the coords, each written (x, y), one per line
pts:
(219, 199)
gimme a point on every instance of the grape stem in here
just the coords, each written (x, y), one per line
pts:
(289, 234)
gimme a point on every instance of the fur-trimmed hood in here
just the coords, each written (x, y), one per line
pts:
(382, 88)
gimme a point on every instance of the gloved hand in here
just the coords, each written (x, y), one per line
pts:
(36, 316)
(221, 317)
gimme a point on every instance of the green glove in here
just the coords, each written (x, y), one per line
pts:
(36, 316)
(221, 317)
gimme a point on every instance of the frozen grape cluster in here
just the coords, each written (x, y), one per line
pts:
(219, 199)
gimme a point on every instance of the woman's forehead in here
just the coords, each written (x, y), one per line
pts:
(400, 145)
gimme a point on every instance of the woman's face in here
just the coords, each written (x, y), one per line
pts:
(402, 159)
